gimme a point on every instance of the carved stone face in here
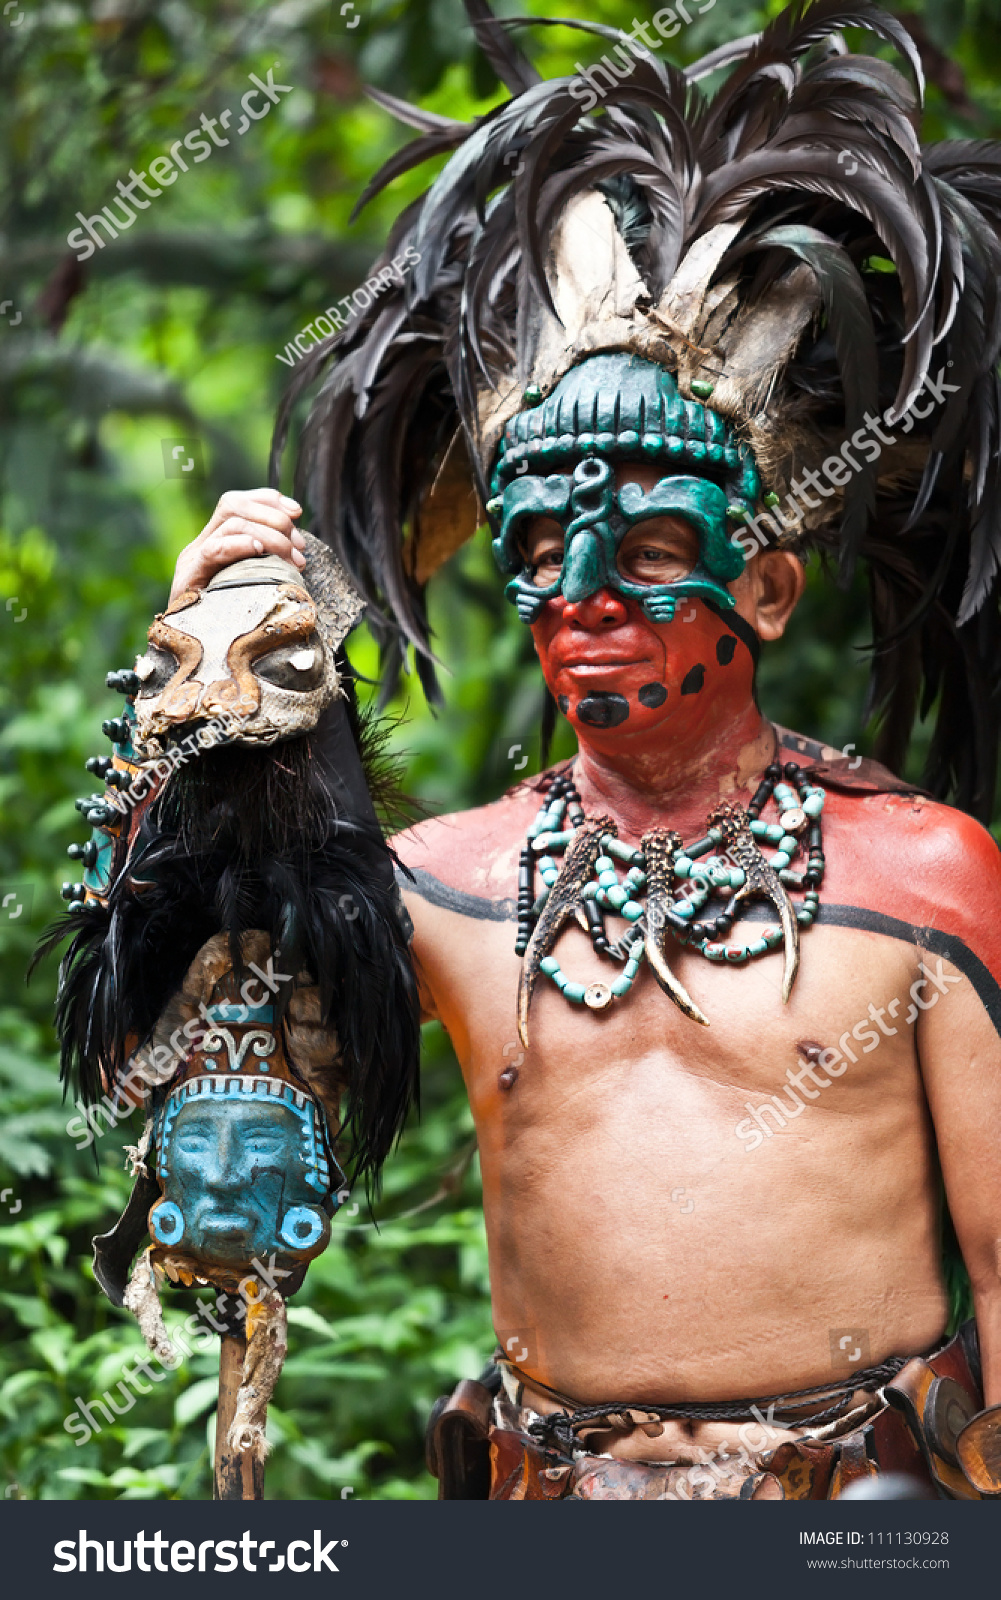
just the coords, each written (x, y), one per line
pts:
(256, 645)
(240, 1179)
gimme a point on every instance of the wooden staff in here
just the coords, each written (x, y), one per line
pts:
(237, 1474)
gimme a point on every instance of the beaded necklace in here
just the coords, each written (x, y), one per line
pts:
(600, 875)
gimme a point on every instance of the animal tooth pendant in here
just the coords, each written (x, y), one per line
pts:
(761, 882)
(564, 903)
(659, 848)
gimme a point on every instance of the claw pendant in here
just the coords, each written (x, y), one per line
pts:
(761, 882)
(660, 849)
(565, 901)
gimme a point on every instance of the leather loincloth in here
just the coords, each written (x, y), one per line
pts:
(484, 1444)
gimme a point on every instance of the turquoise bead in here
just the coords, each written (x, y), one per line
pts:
(547, 864)
(549, 878)
(780, 859)
(621, 986)
(589, 891)
(684, 908)
(617, 897)
(789, 844)
(737, 877)
(552, 841)
(604, 864)
(785, 798)
(682, 866)
(635, 876)
(632, 911)
(608, 880)
(813, 805)
(549, 965)
(757, 947)
(615, 847)
(574, 992)
(637, 950)
(805, 918)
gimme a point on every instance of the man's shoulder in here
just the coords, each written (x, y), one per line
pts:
(474, 851)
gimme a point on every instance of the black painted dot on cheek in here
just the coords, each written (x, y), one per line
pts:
(694, 680)
(652, 694)
(725, 647)
(563, 703)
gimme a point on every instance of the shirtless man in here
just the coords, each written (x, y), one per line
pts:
(687, 1214)
(638, 327)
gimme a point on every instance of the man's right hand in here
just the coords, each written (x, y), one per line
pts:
(246, 522)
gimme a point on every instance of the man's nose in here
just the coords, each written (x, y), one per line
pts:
(604, 609)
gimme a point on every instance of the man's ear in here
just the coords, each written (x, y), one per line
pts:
(768, 591)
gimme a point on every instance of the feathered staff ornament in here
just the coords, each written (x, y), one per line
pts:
(816, 283)
(238, 965)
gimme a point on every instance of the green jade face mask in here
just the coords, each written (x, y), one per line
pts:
(618, 407)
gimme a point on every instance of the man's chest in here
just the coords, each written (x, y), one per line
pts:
(843, 1044)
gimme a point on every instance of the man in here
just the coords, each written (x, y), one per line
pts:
(715, 1135)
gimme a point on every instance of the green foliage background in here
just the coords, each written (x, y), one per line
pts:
(172, 331)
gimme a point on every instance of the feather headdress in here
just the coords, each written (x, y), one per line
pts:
(785, 247)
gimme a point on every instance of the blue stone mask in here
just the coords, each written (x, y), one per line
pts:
(555, 462)
(245, 1170)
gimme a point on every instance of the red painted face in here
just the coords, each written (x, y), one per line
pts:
(615, 675)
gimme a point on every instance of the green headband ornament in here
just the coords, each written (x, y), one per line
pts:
(619, 407)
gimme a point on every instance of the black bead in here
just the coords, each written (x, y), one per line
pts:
(87, 853)
(123, 682)
(774, 771)
(72, 891)
(762, 795)
(98, 765)
(116, 729)
(723, 923)
(116, 779)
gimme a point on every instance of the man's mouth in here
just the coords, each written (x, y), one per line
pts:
(602, 663)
